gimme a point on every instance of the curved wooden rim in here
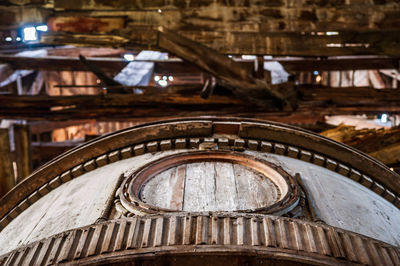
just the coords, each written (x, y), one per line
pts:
(131, 186)
(199, 127)
(201, 233)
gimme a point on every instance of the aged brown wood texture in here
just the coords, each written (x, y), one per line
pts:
(210, 186)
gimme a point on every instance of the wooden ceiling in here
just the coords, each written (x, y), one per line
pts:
(337, 39)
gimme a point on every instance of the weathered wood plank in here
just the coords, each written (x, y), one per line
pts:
(199, 187)
(253, 191)
(23, 155)
(225, 187)
(382, 42)
(115, 106)
(85, 24)
(7, 180)
(177, 66)
(241, 16)
(158, 190)
(177, 187)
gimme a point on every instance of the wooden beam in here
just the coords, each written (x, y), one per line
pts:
(179, 102)
(22, 151)
(220, 15)
(7, 180)
(69, 63)
(227, 72)
(348, 95)
(106, 81)
(338, 63)
(271, 43)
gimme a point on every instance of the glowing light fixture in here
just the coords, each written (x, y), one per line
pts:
(156, 78)
(30, 34)
(42, 28)
(384, 118)
(8, 39)
(163, 83)
(171, 78)
(129, 57)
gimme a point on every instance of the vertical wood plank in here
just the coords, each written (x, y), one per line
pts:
(158, 190)
(225, 188)
(214, 230)
(172, 231)
(269, 232)
(227, 231)
(158, 231)
(7, 180)
(177, 182)
(199, 192)
(253, 190)
(23, 156)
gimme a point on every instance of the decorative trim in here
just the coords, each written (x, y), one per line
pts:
(196, 127)
(197, 233)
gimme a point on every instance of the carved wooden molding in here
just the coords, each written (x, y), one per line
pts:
(261, 236)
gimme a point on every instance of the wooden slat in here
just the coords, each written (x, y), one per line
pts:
(225, 187)
(158, 190)
(23, 156)
(254, 191)
(177, 188)
(7, 180)
(199, 187)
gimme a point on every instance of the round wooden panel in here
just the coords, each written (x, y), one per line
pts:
(210, 186)
(209, 181)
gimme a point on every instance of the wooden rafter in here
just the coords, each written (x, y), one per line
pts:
(178, 101)
(69, 63)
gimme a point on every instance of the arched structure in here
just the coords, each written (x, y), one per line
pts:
(205, 191)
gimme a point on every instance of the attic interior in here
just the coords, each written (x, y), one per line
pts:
(74, 70)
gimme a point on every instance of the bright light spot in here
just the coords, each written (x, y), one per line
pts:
(334, 45)
(171, 78)
(318, 78)
(249, 57)
(30, 34)
(8, 39)
(332, 33)
(384, 118)
(159, 11)
(391, 169)
(129, 57)
(18, 39)
(230, 56)
(98, 81)
(163, 83)
(164, 77)
(156, 78)
(315, 72)
(42, 28)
